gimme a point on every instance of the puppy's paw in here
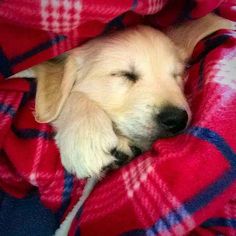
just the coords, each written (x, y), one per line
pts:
(88, 164)
(123, 153)
(86, 154)
(85, 137)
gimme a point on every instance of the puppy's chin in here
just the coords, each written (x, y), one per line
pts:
(142, 138)
(144, 145)
(140, 141)
(145, 142)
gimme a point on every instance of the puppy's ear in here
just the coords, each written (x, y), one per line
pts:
(188, 34)
(55, 79)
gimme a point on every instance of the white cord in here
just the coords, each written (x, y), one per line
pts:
(65, 225)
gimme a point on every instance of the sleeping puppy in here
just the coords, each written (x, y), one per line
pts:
(118, 92)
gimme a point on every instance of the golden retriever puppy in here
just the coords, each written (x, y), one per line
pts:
(118, 92)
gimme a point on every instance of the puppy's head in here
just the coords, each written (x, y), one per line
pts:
(135, 76)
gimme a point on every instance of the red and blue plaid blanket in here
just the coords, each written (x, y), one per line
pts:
(183, 185)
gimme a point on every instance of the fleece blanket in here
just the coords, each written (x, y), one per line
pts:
(25, 217)
(184, 185)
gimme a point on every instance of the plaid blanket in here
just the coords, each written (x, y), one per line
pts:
(183, 185)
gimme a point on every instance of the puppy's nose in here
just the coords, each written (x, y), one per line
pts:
(172, 119)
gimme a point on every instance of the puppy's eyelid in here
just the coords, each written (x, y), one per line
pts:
(131, 76)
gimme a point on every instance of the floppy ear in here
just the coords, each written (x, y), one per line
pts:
(188, 34)
(55, 79)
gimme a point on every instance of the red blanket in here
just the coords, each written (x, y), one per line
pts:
(183, 185)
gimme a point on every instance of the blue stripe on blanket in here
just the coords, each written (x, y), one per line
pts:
(206, 195)
(134, 5)
(35, 50)
(210, 45)
(116, 23)
(7, 109)
(29, 94)
(66, 195)
(215, 139)
(223, 222)
(29, 133)
(78, 214)
(5, 65)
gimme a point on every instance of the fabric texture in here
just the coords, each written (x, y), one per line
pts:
(25, 217)
(183, 185)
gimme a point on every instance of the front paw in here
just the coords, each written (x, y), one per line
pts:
(92, 156)
(86, 156)
(85, 136)
(122, 158)
(123, 153)
(86, 166)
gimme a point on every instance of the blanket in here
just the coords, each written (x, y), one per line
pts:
(25, 216)
(182, 185)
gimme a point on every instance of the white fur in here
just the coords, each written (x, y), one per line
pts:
(65, 225)
(85, 139)
(29, 73)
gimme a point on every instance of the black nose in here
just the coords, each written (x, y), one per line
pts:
(172, 119)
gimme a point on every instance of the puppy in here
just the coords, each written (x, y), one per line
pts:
(118, 92)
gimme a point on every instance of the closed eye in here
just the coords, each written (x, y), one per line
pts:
(129, 75)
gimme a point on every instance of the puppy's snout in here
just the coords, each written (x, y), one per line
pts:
(172, 119)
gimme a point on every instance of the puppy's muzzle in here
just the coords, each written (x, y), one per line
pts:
(172, 120)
